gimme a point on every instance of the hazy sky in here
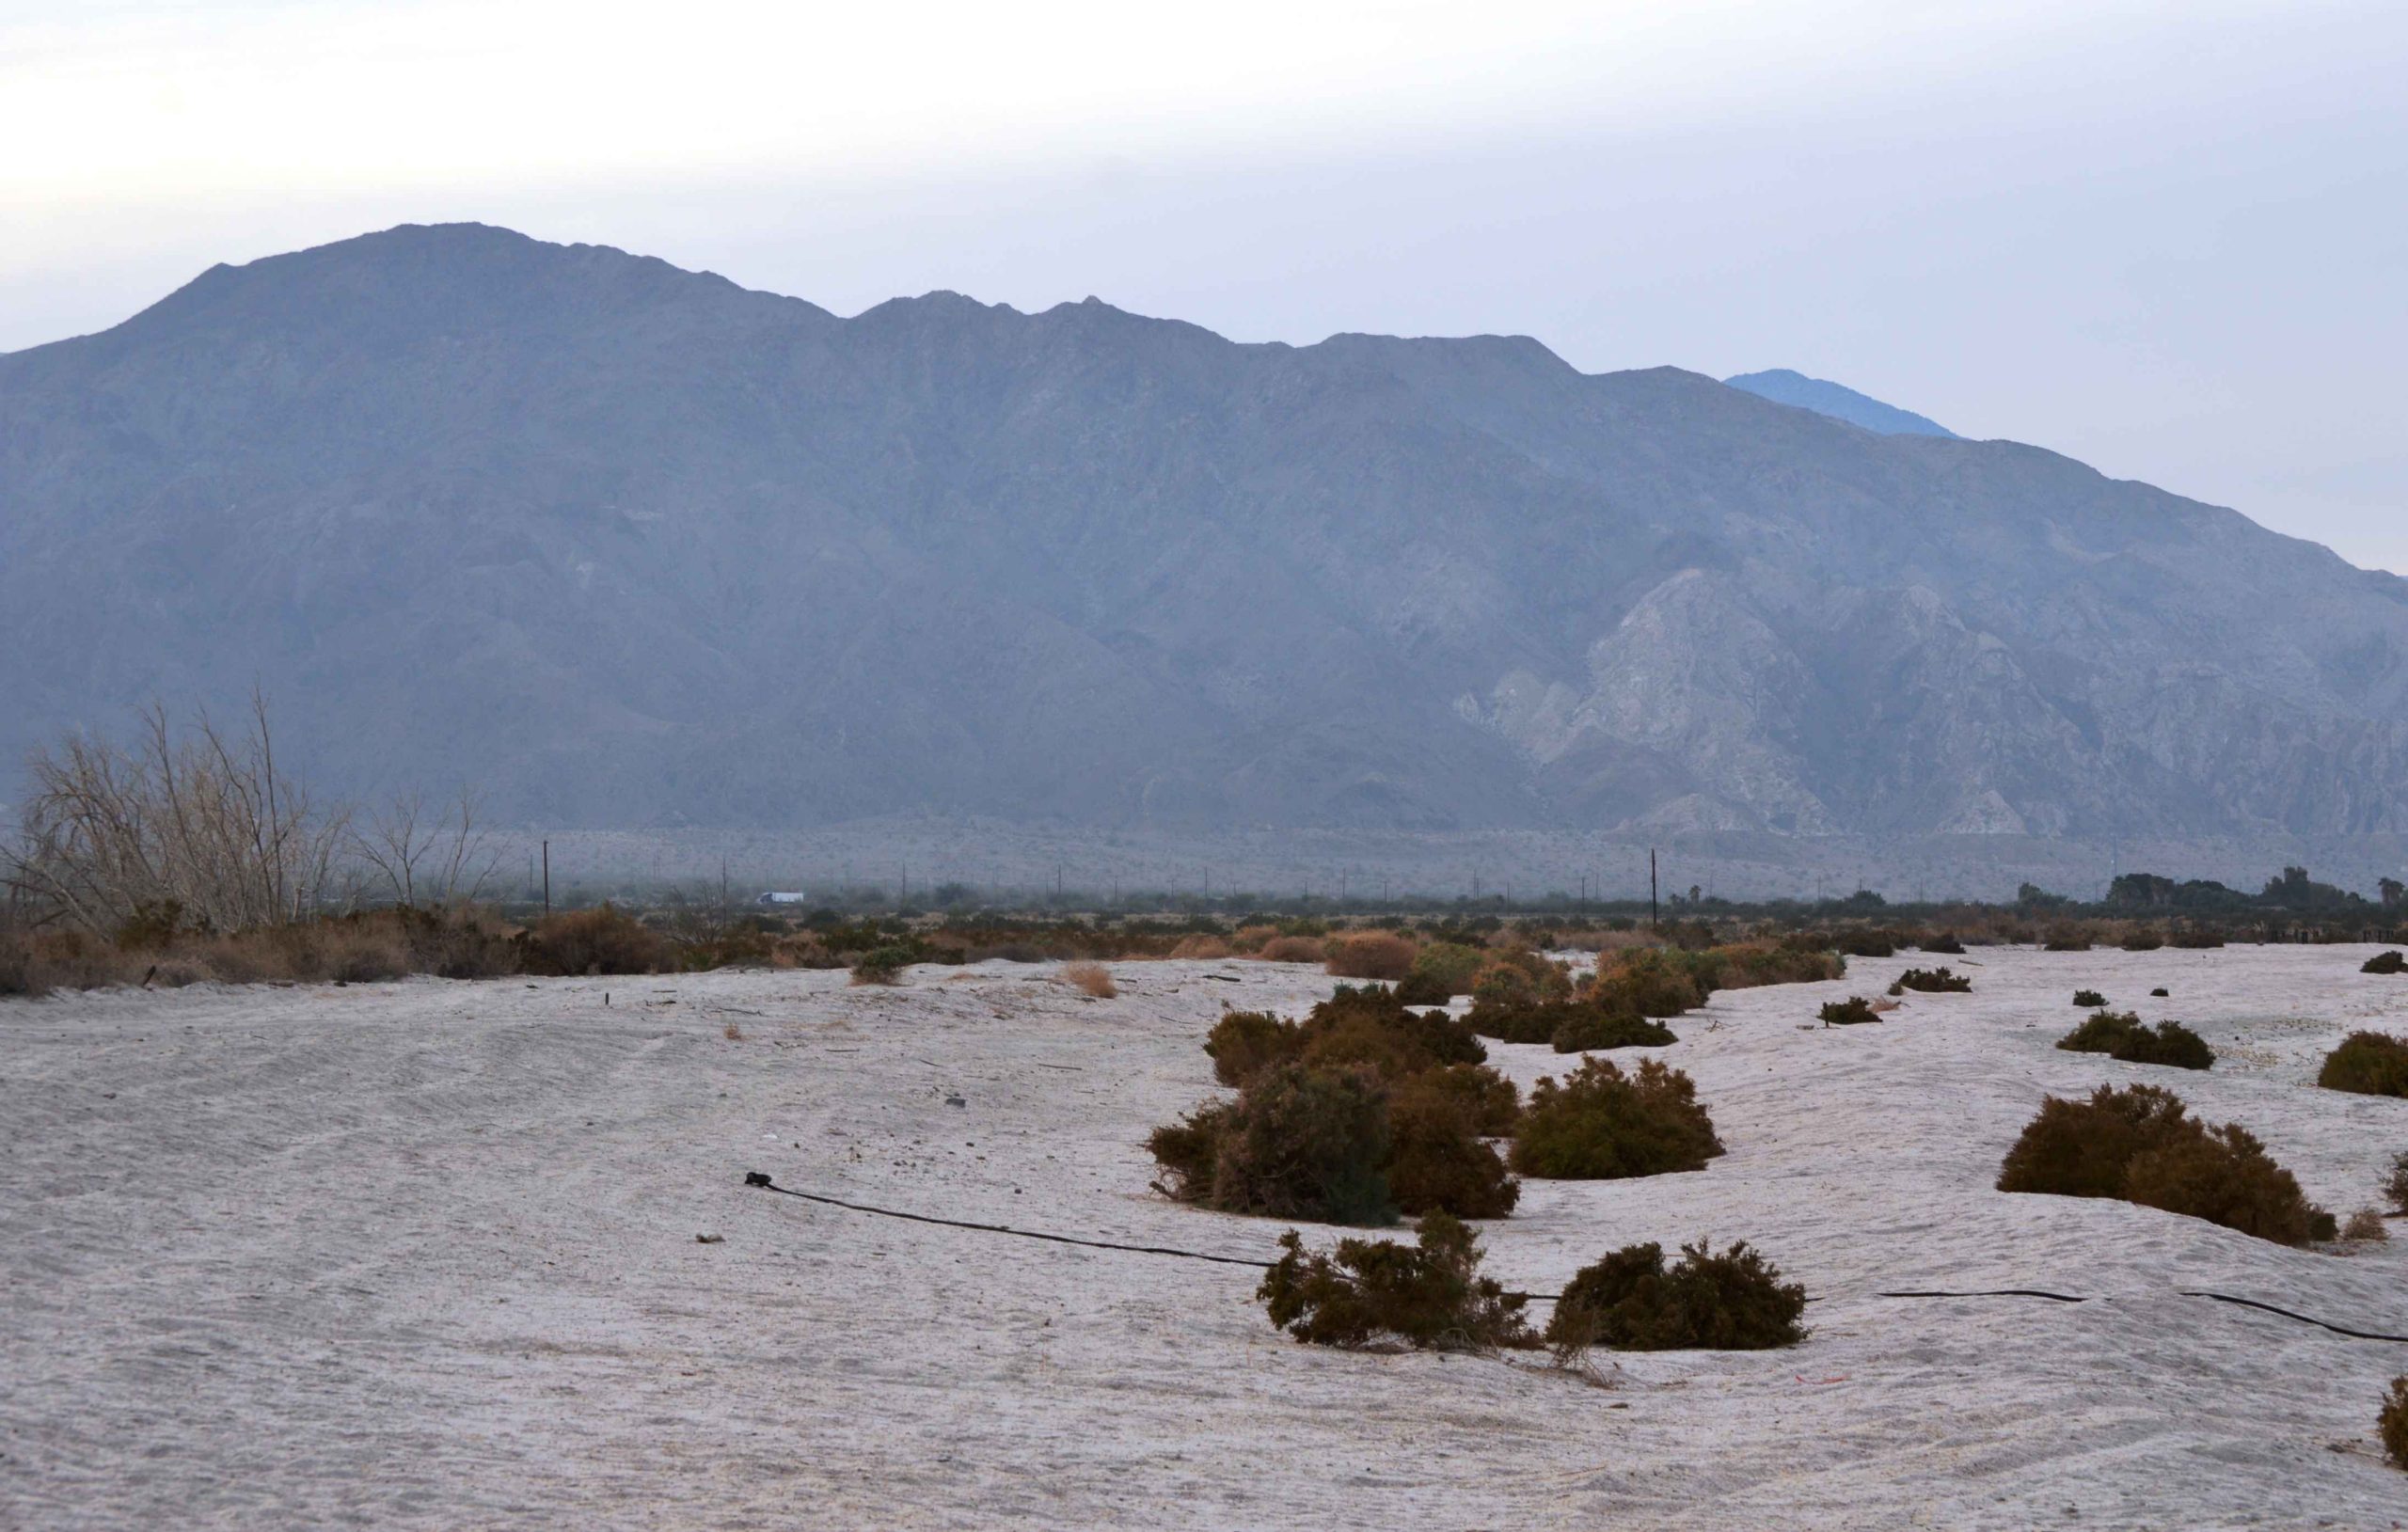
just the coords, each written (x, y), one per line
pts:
(2169, 239)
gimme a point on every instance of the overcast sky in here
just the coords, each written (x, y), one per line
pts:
(2169, 239)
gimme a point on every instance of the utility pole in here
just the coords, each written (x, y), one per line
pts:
(1653, 920)
(547, 877)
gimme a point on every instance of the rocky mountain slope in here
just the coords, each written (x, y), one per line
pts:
(629, 545)
(1838, 400)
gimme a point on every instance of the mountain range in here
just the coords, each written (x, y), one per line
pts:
(627, 546)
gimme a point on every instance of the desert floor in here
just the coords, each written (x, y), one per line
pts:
(425, 1254)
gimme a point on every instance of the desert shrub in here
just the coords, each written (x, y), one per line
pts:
(1933, 981)
(1091, 979)
(2385, 962)
(2065, 939)
(1503, 987)
(883, 965)
(2089, 999)
(2158, 993)
(597, 941)
(1589, 1027)
(2122, 1036)
(1868, 944)
(1423, 989)
(1945, 943)
(1490, 1098)
(1750, 964)
(1653, 981)
(2367, 1064)
(1436, 1161)
(1242, 1042)
(1369, 1025)
(1249, 939)
(1852, 1012)
(1599, 1124)
(1428, 1294)
(1445, 965)
(2365, 1225)
(1370, 954)
(1297, 1142)
(17, 968)
(2141, 939)
(1200, 948)
(1291, 949)
(2391, 1424)
(1629, 1301)
(2140, 1145)
(2195, 938)
(2395, 1184)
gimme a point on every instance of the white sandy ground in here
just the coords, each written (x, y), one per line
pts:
(423, 1254)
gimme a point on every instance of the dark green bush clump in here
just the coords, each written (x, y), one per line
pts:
(2367, 1064)
(1588, 1028)
(1436, 1161)
(2142, 941)
(2391, 1424)
(1933, 981)
(1297, 1142)
(2121, 1035)
(1945, 944)
(1869, 945)
(1629, 1301)
(2140, 1145)
(1369, 1025)
(1244, 1043)
(599, 940)
(1444, 966)
(882, 965)
(2195, 938)
(1491, 1100)
(1419, 989)
(1599, 1124)
(2066, 939)
(1852, 1012)
(2089, 999)
(2395, 1184)
(1427, 1295)
(1650, 980)
(2385, 962)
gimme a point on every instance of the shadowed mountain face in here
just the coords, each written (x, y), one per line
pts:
(1783, 386)
(628, 546)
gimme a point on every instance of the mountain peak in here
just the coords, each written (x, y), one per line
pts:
(1839, 402)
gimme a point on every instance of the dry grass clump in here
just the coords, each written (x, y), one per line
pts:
(2367, 1064)
(2385, 962)
(1249, 939)
(2365, 1226)
(1932, 981)
(2140, 1145)
(599, 940)
(1200, 948)
(1369, 954)
(1599, 1124)
(1854, 1011)
(2089, 999)
(1297, 1142)
(1291, 949)
(1090, 979)
(1426, 1295)
(2122, 1036)
(1631, 1302)
(2391, 1424)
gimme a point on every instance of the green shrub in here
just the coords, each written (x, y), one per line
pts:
(1653, 981)
(1750, 965)
(2089, 999)
(1588, 1027)
(1371, 1025)
(1599, 1124)
(1502, 986)
(2140, 1145)
(2385, 962)
(2122, 1036)
(882, 965)
(2367, 1064)
(2391, 1424)
(1436, 1161)
(1852, 1012)
(1933, 981)
(1735, 1302)
(1445, 965)
(1423, 989)
(599, 940)
(1428, 1294)
(1244, 1042)
(1297, 1142)
(1945, 944)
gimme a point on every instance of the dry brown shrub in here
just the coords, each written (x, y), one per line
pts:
(1091, 979)
(1250, 939)
(2366, 1225)
(2391, 1424)
(1291, 950)
(1369, 954)
(732, 1032)
(597, 941)
(1202, 948)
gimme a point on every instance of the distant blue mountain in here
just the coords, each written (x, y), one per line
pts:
(1783, 387)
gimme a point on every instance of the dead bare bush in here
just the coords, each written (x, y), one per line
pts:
(1091, 979)
(1369, 954)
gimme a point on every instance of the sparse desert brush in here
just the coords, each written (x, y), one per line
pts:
(1428, 1295)
(2140, 1145)
(1200, 948)
(2395, 1184)
(599, 940)
(2066, 939)
(1600, 1124)
(1090, 979)
(1932, 981)
(1291, 949)
(1243, 1042)
(2141, 939)
(733, 1032)
(2367, 1064)
(1631, 1302)
(2122, 1036)
(1945, 943)
(1491, 1099)
(1445, 965)
(2089, 999)
(1369, 954)
(1297, 1142)
(1587, 1027)
(882, 965)
(2391, 1424)
(2365, 1226)
(1852, 1012)
(2385, 962)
